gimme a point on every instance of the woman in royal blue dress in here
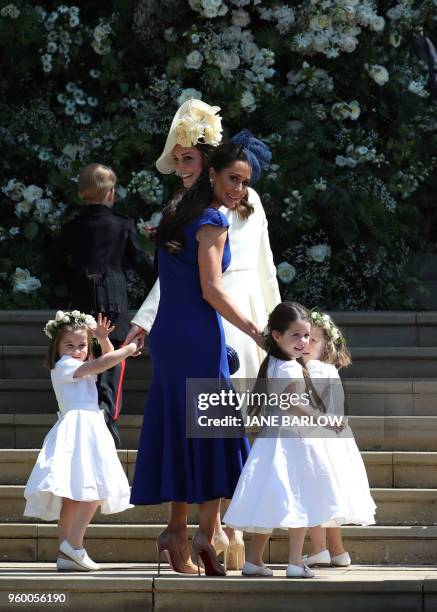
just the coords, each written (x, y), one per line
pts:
(187, 341)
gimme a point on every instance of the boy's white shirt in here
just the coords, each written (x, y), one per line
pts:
(266, 270)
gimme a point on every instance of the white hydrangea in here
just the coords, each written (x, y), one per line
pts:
(418, 88)
(248, 101)
(188, 94)
(11, 11)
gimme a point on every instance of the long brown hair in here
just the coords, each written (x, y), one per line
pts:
(280, 319)
(170, 233)
(53, 350)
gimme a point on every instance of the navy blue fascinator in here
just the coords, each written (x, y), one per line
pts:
(258, 153)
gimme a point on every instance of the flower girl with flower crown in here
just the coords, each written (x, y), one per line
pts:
(78, 468)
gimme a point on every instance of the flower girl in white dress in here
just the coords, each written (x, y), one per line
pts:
(77, 468)
(288, 481)
(324, 356)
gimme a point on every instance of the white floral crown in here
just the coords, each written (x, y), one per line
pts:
(326, 323)
(73, 318)
(199, 125)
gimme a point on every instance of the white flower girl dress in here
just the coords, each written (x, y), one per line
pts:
(78, 459)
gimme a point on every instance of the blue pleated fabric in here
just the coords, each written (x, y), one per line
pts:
(186, 341)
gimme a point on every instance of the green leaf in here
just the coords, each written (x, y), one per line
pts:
(31, 230)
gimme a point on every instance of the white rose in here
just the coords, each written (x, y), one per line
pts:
(286, 272)
(32, 193)
(66, 319)
(377, 24)
(319, 252)
(379, 74)
(194, 60)
(75, 313)
(59, 316)
(14, 190)
(348, 44)
(395, 39)
(90, 322)
(240, 18)
(354, 108)
(326, 318)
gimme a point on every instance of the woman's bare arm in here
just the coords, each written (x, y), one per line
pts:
(211, 244)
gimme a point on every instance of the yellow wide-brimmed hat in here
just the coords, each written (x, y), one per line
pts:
(195, 122)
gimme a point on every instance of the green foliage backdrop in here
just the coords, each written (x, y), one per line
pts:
(331, 85)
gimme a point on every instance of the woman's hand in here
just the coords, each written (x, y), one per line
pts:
(103, 329)
(136, 334)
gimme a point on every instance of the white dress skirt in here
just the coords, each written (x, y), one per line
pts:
(78, 459)
(289, 482)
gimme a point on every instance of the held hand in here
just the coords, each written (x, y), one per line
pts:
(259, 337)
(136, 332)
(103, 328)
(137, 335)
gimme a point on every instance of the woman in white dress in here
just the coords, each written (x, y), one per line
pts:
(250, 279)
(78, 468)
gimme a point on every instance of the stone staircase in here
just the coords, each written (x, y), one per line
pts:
(391, 392)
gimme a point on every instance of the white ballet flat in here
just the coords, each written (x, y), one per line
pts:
(342, 560)
(298, 571)
(68, 565)
(250, 569)
(323, 558)
(79, 556)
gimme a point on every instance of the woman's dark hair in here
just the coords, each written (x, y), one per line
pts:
(170, 233)
(280, 319)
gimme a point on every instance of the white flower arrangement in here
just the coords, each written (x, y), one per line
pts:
(147, 185)
(74, 318)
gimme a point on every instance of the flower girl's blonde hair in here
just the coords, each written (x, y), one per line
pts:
(336, 351)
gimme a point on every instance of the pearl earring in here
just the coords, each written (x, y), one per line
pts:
(211, 182)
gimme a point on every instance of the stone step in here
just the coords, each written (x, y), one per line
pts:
(364, 397)
(392, 362)
(395, 507)
(373, 433)
(384, 469)
(137, 588)
(22, 542)
(27, 362)
(361, 328)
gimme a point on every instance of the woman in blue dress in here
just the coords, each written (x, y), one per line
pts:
(187, 341)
